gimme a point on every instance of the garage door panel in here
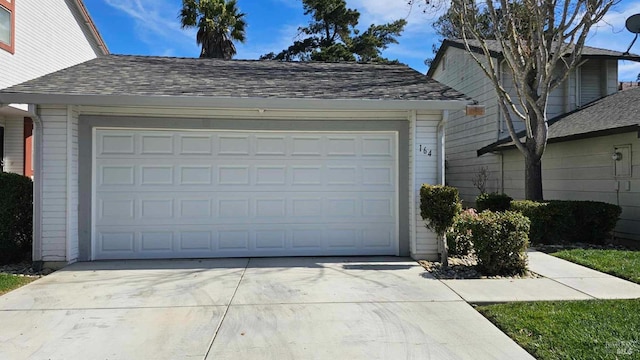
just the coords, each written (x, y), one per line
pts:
(266, 239)
(121, 143)
(162, 194)
(120, 209)
(139, 175)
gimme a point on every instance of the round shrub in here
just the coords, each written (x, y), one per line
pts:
(16, 217)
(500, 240)
(460, 238)
(493, 202)
(439, 205)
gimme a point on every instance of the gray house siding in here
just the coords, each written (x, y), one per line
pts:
(584, 170)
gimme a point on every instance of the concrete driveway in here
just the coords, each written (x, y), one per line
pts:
(267, 308)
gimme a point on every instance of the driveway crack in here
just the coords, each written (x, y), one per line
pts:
(226, 310)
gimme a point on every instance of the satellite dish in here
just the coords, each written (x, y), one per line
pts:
(633, 23)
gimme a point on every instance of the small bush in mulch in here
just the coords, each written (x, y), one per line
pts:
(460, 238)
(500, 241)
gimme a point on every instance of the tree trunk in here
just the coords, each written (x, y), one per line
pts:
(533, 177)
(444, 255)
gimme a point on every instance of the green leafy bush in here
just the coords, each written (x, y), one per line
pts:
(559, 221)
(460, 238)
(493, 202)
(500, 240)
(16, 217)
(439, 205)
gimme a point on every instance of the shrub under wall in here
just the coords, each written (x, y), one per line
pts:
(559, 221)
(493, 202)
(16, 217)
(500, 240)
(438, 206)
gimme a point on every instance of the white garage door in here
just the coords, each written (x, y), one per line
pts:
(188, 194)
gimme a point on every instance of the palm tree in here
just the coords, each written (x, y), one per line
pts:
(219, 24)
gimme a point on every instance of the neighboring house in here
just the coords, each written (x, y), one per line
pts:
(592, 154)
(578, 163)
(154, 157)
(37, 37)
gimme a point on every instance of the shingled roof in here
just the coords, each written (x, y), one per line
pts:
(495, 48)
(190, 77)
(613, 114)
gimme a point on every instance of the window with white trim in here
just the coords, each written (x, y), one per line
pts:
(7, 25)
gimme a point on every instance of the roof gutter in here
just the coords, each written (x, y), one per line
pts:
(232, 103)
(88, 21)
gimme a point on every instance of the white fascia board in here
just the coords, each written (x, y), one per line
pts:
(232, 103)
(14, 110)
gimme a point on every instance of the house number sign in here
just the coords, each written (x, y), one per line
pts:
(424, 150)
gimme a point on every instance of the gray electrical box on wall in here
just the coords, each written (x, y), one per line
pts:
(622, 161)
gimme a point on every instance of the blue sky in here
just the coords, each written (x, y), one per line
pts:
(151, 27)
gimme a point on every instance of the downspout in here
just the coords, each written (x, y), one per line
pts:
(442, 245)
(37, 187)
(413, 241)
(441, 142)
(499, 116)
(69, 205)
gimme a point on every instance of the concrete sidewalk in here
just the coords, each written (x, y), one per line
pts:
(563, 280)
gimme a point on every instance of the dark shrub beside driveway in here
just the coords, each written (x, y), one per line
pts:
(16, 217)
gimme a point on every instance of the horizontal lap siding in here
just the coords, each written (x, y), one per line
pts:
(54, 183)
(35, 54)
(466, 134)
(426, 172)
(72, 147)
(583, 170)
(14, 145)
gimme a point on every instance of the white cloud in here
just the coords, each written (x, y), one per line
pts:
(287, 34)
(157, 24)
(611, 33)
(628, 70)
(419, 16)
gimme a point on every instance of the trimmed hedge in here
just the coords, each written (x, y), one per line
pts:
(560, 221)
(16, 217)
(493, 202)
(460, 238)
(500, 240)
(439, 205)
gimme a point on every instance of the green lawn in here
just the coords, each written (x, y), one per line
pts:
(598, 329)
(9, 282)
(624, 264)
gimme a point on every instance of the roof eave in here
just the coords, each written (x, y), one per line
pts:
(498, 54)
(495, 147)
(232, 103)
